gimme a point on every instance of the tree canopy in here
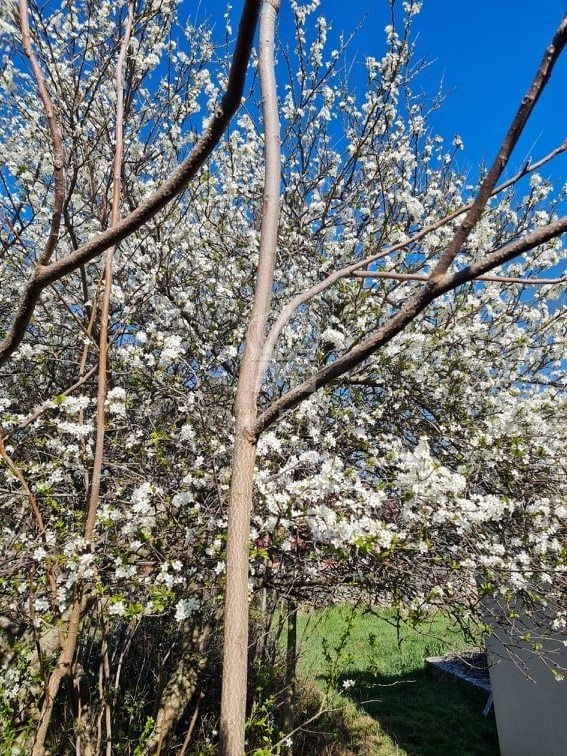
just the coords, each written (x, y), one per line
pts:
(275, 307)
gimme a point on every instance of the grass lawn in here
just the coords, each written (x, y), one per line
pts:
(414, 712)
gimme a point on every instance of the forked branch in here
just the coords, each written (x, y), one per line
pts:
(550, 57)
(413, 307)
(349, 270)
(235, 650)
(63, 668)
(440, 281)
(493, 279)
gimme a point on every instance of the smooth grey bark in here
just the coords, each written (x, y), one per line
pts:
(235, 651)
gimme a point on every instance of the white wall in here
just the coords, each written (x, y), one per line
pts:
(531, 715)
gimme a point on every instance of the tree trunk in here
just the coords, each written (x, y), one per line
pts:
(235, 664)
(180, 687)
(235, 659)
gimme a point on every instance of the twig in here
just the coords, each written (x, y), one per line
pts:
(439, 281)
(69, 309)
(425, 277)
(527, 105)
(105, 306)
(191, 727)
(40, 524)
(64, 666)
(415, 305)
(322, 710)
(32, 418)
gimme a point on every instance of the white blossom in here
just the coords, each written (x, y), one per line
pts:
(185, 608)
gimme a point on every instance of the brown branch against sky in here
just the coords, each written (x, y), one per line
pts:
(166, 192)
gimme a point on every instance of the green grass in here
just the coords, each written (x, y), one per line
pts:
(415, 712)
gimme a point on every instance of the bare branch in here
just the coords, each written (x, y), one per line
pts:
(494, 279)
(56, 138)
(170, 188)
(549, 59)
(349, 270)
(62, 669)
(39, 522)
(34, 416)
(416, 304)
(523, 281)
(105, 308)
(191, 727)
(68, 649)
(506, 253)
(72, 313)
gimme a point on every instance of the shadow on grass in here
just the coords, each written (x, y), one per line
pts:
(426, 715)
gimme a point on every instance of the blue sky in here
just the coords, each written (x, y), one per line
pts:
(485, 55)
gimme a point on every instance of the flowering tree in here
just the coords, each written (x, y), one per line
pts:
(405, 318)
(437, 281)
(82, 150)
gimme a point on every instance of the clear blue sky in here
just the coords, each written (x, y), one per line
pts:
(485, 52)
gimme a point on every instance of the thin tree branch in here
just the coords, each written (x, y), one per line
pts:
(68, 652)
(349, 270)
(75, 317)
(505, 253)
(168, 190)
(424, 277)
(322, 710)
(549, 59)
(191, 727)
(523, 281)
(31, 418)
(104, 692)
(105, 306)
(416, 304)
(82, 366)
(300, 299)
(56, 138)
(40, 525)
(62, 669)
